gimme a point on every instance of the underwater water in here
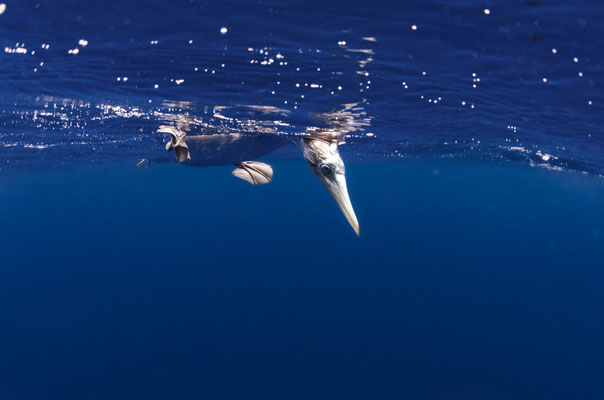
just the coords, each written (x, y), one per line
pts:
(471, 134)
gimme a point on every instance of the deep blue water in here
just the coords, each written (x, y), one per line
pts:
(479, 269)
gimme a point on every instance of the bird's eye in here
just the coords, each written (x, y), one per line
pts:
(326, 170)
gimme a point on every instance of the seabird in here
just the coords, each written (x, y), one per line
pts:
(319, 150)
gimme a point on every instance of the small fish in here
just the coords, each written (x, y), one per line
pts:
(141, 163)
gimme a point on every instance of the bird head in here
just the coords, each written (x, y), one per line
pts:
(324, 160)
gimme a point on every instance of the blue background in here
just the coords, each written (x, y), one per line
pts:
(478, 273)
(468, 281)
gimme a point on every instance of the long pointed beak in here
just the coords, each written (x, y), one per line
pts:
(325, 162)
(336, 184)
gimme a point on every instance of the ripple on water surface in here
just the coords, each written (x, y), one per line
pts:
(503, 83)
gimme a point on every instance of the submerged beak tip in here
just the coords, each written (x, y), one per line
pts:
(354, 223)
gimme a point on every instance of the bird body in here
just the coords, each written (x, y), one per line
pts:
(319, 148)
